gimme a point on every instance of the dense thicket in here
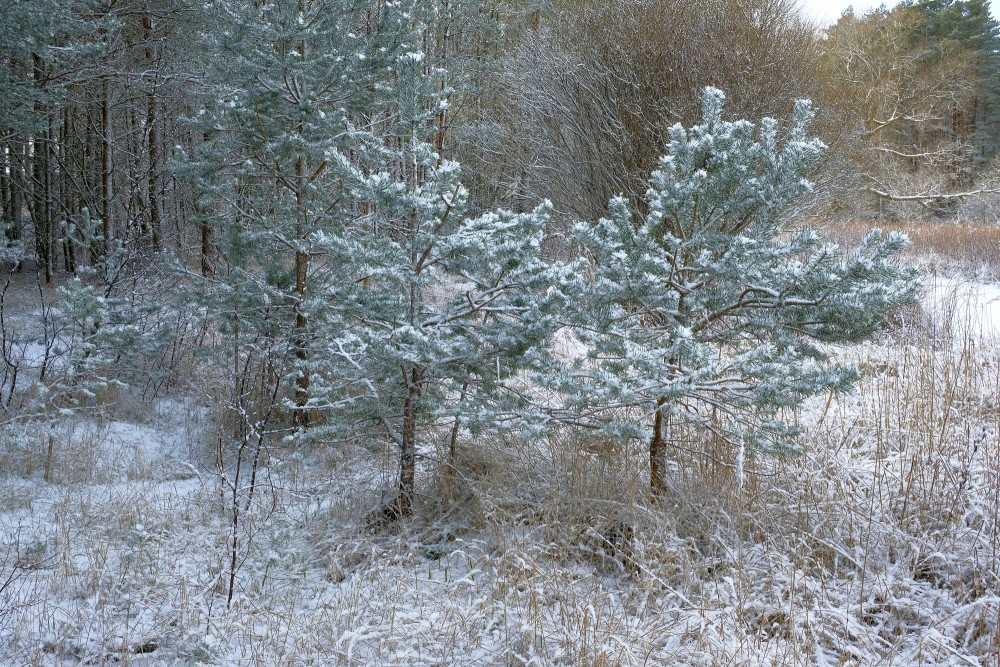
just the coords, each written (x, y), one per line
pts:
(569, 101)
(590, 91)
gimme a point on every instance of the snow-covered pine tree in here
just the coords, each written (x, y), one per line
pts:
(452, 308)
(346, 235)
(296, 87)
(714, 302)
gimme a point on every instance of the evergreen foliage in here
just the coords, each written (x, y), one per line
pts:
(353, 290)
(299, 95)
(714, 301)
(448, 309)
(350, 253)
(964, 30)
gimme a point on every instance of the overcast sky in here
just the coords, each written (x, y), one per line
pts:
(828, 11)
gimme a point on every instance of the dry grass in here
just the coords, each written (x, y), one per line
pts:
(880, 545)
(969, 249)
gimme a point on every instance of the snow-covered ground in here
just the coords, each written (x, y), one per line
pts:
(880, 545)
(971, 306)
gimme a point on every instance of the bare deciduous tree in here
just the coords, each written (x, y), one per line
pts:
(591, 92)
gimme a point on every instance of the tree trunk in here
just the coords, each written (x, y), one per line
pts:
(6, 191)
(107, 165)
(301, 275)
(17, 181)
(152, 123)
(408, 445)
(442, 116)
(69, 208)
(657, 452)
(40, 208)
(207, 268)
(205, 229)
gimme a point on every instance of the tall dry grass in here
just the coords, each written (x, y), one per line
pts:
(968, 249)
(879, 545)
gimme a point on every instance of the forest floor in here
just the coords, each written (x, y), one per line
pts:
(126, 537)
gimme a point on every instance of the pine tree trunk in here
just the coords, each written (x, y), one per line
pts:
(107, 191)
(66, 191)
(17, 182)
(657, 452)
(6, 191)
(152, 122)
(207, 268)
(408, 446)
(442, 116)
(205, 229)
(301, 322)
(93, 148)
(40, 208)
(49, 200)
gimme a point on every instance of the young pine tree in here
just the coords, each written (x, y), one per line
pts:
(297, 87)
(714, 303)
(346, 236)
(450, 309)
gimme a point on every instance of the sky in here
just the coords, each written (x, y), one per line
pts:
(828, 11)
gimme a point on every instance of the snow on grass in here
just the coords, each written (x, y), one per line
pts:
(968, 306)
(878, 545)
